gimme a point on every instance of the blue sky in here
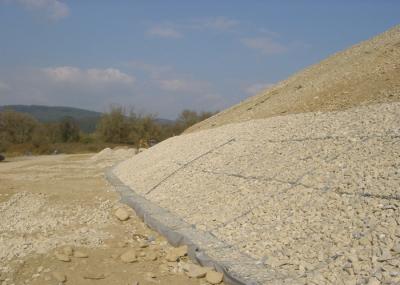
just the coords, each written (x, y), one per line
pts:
(164, 56)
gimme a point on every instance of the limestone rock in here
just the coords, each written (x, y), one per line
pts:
(195, 271)
(214, 277)
(122, 214)
(396, 248)
(129, 256)
(175, 253)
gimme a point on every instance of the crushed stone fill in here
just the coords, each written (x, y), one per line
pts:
(313, 197)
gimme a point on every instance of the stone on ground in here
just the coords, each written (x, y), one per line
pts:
(129, 256)
(122, 214)
(214, 277)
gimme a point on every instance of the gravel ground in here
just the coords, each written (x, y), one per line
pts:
(59, 224)
(311, 198)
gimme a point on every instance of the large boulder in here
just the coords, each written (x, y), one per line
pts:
(2, 157)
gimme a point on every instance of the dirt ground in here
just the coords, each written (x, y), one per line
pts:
(52, 205)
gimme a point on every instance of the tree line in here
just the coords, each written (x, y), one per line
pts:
(117, 126)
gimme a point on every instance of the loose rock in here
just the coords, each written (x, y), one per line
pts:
(122, 214)
(129, 256)
(175, 253)
(214, 277)
(195, 271)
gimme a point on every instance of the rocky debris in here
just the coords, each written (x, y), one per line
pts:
(321, 204)
(59, 276)
(62, 257)
(195, 271)
(54, 223)
(175, 253)
(38, 228)
(80, 254)
(122, 214)
(129, 256)
(214, 277)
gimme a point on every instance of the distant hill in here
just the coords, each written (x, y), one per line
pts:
(86, 119)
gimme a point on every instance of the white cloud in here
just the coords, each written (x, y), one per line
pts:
(182, 85)
(256, 88)
(266, 45)
(55, 9)
(92, 75)
(158, 89)
(164, 32)
(218, 23)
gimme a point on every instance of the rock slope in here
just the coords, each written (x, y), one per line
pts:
(310, 198)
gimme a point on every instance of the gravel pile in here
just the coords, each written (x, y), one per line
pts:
(310, 198)
(108, 156)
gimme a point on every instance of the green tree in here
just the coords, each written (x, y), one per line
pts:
(16, 127)
(69, 130)
(113, 126)
(188, 118)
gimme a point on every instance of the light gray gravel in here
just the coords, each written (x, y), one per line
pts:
(314, 198)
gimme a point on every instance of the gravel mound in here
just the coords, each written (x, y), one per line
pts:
(310, 198)
(367, 73)
(108, 156)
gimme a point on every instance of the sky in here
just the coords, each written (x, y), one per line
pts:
(161, 57)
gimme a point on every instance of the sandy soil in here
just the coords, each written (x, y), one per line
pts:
(52, 204)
